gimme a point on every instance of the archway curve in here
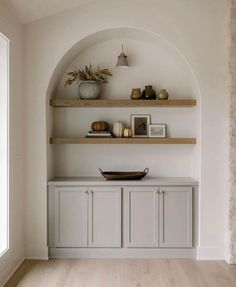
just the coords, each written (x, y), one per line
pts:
(101, 36)
(109, 34)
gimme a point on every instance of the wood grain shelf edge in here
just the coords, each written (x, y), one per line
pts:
(82, 140)
(63, 103)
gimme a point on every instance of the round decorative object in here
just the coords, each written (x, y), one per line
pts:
(136, 94)
(118, 129)
(148, 93)
(127, 133)
(99, 126)
(163, 95)
(89, 90)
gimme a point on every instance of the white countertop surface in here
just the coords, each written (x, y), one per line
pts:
(99, 181)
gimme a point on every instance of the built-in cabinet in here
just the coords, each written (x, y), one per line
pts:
(124, 217)
(141, 216)
(68, 217)
(104, 222)
(158, 216)
(175, 216)
(85, 217)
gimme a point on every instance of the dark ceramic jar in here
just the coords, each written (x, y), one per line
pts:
(149, 93)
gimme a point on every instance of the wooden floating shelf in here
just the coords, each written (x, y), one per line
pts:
(83, 140)
(77, 103)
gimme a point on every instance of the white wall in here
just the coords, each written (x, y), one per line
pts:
(198, 30)
(13, 31)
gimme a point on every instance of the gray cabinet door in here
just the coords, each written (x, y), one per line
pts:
(105, 217)
(69, 226)
(175, 216)
(141, 217)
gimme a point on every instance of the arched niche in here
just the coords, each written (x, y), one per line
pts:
(144, 49)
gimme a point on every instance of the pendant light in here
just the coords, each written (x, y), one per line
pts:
(122, 60)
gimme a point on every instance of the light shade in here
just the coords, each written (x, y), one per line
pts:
(122, 60)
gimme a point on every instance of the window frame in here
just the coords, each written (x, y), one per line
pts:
(4, 241)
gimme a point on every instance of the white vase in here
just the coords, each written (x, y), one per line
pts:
(118, 129)
(89, 90)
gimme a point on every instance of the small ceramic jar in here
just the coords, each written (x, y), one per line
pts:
(149, 93)
(163, 95)
(136, 94)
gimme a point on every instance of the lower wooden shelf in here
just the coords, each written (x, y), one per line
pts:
(83, 140)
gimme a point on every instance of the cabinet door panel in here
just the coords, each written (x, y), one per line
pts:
(175, 217)
(105, 217)
(141, 217)
(70, 217)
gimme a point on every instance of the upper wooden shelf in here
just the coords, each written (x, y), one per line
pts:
(75, 103)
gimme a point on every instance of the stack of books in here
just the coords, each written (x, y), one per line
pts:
(103, 134)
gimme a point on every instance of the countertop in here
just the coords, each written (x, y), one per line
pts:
(100, 181)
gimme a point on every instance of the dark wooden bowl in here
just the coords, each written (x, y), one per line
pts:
(124, 175)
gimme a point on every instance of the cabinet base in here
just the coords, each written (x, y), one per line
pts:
(59, 253)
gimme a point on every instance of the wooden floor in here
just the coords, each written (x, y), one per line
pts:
(124, 273)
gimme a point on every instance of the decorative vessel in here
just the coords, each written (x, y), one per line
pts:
(148, 93)
(136, 94)
(89, 90)
(124, 175)
(163, 95)
(88, 79)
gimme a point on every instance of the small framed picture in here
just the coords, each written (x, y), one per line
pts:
(157, 131)
(139, 125)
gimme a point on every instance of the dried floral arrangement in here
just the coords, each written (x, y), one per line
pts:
(88, 73)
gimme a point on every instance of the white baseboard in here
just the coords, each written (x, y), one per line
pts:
(60, 253)
(210, 253)
(37, 258)
(37, 254)
(13, 271)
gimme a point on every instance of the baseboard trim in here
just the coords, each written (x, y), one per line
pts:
(59, 253)
(210, 253)
(37, 258)
(12, 272)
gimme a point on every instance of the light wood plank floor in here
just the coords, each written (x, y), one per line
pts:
(124, 273)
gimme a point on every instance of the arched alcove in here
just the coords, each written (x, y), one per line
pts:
(153, 60)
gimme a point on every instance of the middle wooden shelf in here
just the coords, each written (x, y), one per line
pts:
(83, 140)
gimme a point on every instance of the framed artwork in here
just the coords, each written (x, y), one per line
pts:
(139, 125)
(157, 131)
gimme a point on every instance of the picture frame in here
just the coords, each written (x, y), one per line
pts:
(139, 124)
(157, 130)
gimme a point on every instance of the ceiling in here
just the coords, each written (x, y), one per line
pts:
(32, 10)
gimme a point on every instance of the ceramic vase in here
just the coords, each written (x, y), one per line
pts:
(163, 95)
(136, 94)
(148, 93)
(89, 90)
